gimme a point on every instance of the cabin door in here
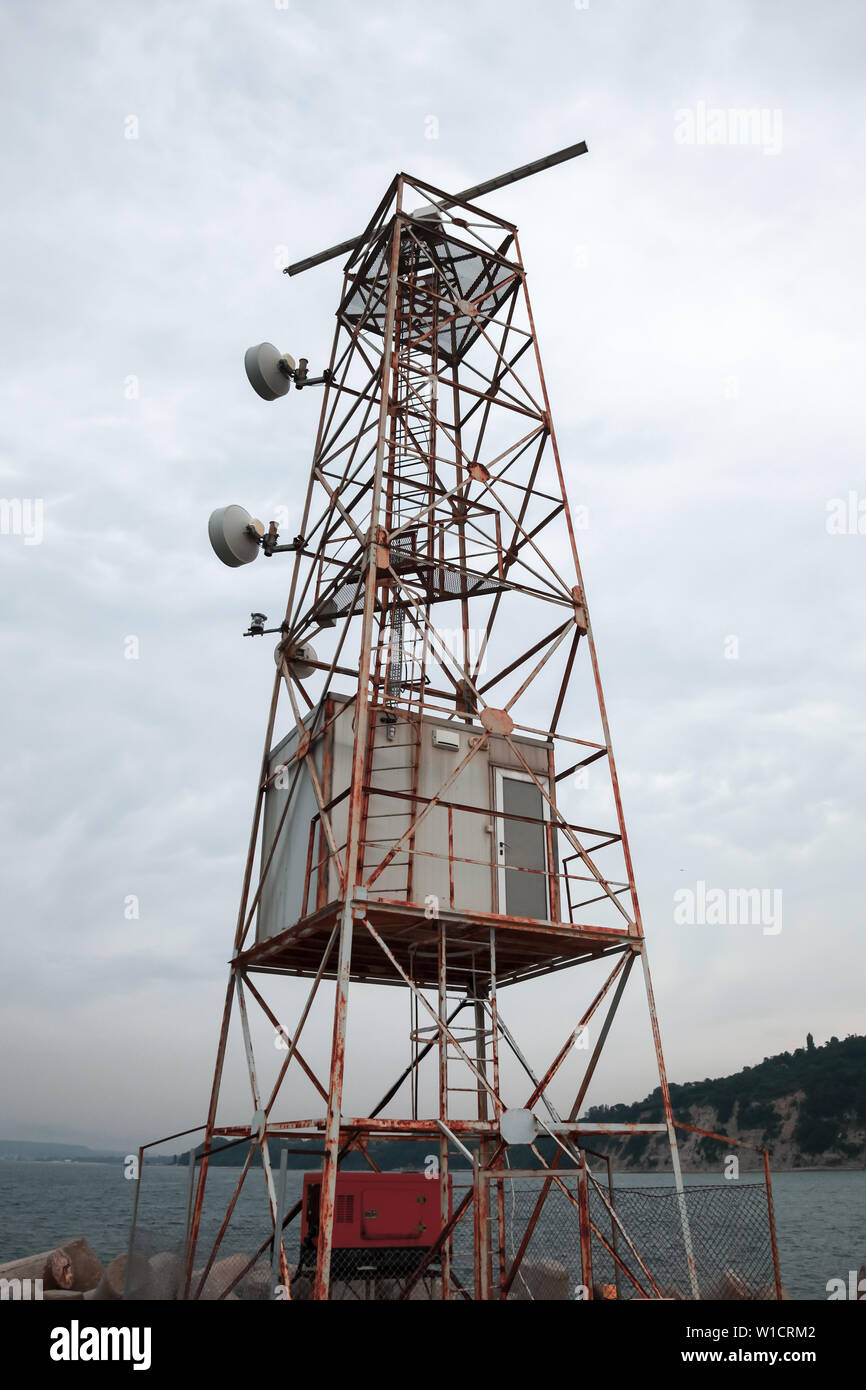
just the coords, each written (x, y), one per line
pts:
(520, 824)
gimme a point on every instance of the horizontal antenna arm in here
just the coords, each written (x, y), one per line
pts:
(467, 196)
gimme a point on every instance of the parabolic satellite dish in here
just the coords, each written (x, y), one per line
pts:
(265, 372)
(230, 538)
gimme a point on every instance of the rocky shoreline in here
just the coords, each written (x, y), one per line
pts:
(73, 1272)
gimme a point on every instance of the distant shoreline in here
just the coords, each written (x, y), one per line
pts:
(616, 1172)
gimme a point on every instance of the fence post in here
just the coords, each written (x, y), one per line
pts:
(772, 1218)
(192, 1159)
(278, 1218)
(585, 1231)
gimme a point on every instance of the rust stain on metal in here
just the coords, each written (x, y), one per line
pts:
(497, 721)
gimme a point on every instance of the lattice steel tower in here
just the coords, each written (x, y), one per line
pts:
(419, 825)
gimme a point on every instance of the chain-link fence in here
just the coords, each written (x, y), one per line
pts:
(727, 1224)
(637, 1246)
(636, 1241)
(375, 1275)
(153, 1267)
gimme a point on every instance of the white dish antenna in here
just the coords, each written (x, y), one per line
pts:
(302, 661)
(268, 370)
(234, 535)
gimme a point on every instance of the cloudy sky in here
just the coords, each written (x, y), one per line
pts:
(698, 290)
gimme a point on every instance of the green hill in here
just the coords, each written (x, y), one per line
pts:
(808, 1107)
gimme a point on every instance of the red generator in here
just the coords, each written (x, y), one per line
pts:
(383, 1222)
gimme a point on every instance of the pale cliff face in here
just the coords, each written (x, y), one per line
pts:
(700, 1156)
